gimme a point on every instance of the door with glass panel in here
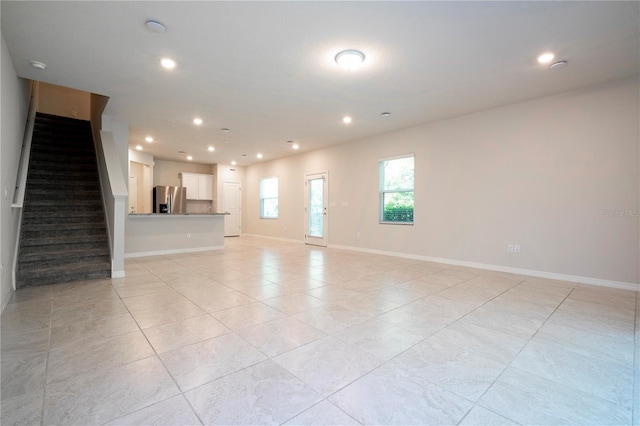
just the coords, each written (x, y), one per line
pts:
(316, 212)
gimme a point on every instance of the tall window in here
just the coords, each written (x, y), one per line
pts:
(269, 198)
(396, 190)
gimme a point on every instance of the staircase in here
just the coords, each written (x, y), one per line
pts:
(64, 235)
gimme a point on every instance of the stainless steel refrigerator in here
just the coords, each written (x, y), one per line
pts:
(170, 199)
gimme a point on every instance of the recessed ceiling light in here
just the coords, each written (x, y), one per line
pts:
(346, 119)
(181, 152)
(558, 65)
(211, 149)
(148, 139)
(385, 114)
(244, 155)
(197, 121)
(233, 163)
(38, 65)
(350, 59)
(295, 146)
(155, 26)
(224, 129)
(168, 63)
(139, 147)
(259, 155)
(545, 58)
(189, 157)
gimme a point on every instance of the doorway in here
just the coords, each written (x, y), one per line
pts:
(133, 194)
(316, 213)
(232, 199)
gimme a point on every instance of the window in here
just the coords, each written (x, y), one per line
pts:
(269, 198)
(396, 190)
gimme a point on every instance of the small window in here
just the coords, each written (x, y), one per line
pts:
(269, 198)
(396, 190)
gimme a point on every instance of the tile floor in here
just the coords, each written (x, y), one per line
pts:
(268, 332)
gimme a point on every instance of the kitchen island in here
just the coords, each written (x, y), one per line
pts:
(154, 234)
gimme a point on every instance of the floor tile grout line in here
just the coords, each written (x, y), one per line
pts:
(317, 403)
(545, 378)
(447, 325)
(477, 401)
(157, 355)
(46, 368)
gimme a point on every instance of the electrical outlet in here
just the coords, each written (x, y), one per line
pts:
(188, 235)
(510, 248)
(516, 248)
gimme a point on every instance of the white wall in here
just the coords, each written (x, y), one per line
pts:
(116, 203)
(13, 116)
(167, 173)
(542, 174)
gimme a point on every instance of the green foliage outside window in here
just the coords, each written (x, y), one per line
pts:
(396, 190)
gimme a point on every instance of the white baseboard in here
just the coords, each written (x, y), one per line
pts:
(499, 268)
(173, 251)
(117, 274)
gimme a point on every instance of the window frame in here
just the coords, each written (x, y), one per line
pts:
(263, 198)
(383, 191)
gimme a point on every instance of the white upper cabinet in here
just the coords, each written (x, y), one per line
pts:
(199, 186)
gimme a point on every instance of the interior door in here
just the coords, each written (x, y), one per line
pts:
(231, 193)
(316, 212)
(133, 194)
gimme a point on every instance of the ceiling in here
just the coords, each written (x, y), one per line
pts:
(266, 70)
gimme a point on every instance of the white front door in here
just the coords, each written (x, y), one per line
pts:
(316, 212)
(231, 193)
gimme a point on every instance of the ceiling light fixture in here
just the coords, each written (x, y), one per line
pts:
(189, 157)
(197, 121)
(211, 149)
(545, 58)
(346, 119)
(155, 26)
(385, 114)
(38, 65)
(350, 59)
(259, 155)
(295, 146)
(139, 147)
(233, 163)
(225, 130)
(168, 63)
(148, 139)
(558, 65)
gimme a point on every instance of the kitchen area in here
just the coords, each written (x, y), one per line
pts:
(179, 207)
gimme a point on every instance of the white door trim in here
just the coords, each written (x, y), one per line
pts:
(312, 240)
